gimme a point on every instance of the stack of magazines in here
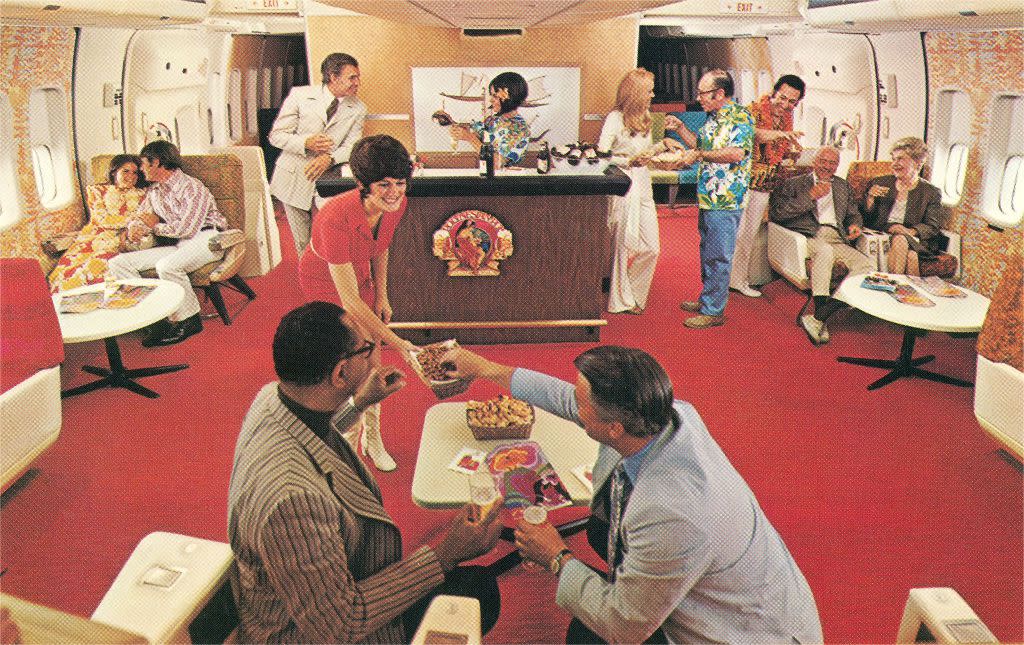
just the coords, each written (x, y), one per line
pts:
(880, 282)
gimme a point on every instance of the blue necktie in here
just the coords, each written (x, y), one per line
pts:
(617, 504)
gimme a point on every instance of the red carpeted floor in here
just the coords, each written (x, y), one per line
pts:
(873, 492)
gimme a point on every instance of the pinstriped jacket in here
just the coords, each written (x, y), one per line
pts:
(317, 558)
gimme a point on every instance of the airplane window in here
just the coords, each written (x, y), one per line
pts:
(956, 172)
(10, 211)
(235, 105)
(1011, 192)
(48, 136)
(251, 91)
(1003, 184)
(42, 166)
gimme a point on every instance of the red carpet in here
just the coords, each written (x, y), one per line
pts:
(873, 492)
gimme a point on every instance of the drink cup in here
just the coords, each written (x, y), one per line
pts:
(535, 515)
(482, 492)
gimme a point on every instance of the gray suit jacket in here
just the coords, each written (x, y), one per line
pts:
(303, 114)
(700, 559)
(317, 558)
(791, 206)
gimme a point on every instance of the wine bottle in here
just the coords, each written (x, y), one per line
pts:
(544, 159)
(486, 155)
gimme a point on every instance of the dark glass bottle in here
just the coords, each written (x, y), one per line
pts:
(486, 155)
(544, 159)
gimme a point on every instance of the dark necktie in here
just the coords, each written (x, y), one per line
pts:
(332, 108)
(620, 489)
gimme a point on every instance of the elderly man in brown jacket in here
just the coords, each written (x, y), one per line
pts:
(317, 558)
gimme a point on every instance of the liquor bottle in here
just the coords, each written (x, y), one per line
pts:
(544, 159)
(486, 155)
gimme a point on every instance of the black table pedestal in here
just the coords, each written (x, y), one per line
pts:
(118, 375)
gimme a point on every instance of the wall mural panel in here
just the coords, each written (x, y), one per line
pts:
(981, 64)
(36, 57)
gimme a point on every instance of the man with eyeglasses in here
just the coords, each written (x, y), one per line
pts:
(317, 558)
(723, 147)
(774, 139)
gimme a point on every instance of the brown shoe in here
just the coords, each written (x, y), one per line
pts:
(703, 322)
(690, 305)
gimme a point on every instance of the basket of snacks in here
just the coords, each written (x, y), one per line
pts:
(499, 418)
(670, 160)
(427, 363)
(579, 158)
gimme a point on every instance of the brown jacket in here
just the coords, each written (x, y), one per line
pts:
(317, 558)
(925, 212)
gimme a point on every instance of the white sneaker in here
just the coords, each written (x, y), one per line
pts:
(813, 327)
(748, 291)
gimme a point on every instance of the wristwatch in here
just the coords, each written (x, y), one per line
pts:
(556, 563)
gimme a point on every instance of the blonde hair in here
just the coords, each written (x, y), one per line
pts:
(632, 100)
(913, 146)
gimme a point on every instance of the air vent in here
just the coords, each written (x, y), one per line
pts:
(491, 33)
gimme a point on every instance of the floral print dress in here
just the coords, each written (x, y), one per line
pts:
(110, 210)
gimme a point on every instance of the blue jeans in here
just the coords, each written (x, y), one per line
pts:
(717, 243)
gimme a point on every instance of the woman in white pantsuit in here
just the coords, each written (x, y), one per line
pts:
(633, 218)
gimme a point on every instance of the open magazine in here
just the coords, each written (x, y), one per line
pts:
(122, 296)
(525, 477)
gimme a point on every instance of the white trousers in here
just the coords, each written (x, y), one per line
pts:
(633, 223)
(172, 263)
(301, 223)
(750, 223)
(824, 249)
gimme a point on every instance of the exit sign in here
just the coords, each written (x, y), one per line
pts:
(734, 6)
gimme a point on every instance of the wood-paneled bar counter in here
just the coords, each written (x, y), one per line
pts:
(551, 288)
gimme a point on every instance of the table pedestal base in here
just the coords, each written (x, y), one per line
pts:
(905, 365)
(118, 375)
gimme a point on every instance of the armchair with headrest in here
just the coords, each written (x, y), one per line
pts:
(999, 380)
(222, 174)
(31, 351)
(173, 589)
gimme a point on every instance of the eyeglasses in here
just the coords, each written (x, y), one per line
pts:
(365, 348)
(700, 93)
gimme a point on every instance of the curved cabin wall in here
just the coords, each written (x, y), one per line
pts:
(44, 57)
(983, 65)
(604, 51)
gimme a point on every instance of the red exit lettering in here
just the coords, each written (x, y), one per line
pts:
(744, 7)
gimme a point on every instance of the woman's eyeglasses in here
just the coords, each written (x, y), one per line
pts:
(367, 347)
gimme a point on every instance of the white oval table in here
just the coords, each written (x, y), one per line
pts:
(951, 315)
(108, 324)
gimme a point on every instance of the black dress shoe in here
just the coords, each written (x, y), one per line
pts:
(177, 332)
(158, 329)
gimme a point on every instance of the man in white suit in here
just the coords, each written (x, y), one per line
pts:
(692, 557)
(315, 129)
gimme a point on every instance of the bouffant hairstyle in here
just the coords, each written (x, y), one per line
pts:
(375, 157)
(915, 148)
(516, 87)
(119, 160)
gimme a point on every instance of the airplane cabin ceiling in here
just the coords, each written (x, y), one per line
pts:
(496, 14)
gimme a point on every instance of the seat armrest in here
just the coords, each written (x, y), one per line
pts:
(787, 254)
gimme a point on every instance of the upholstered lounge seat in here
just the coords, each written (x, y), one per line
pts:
(222, 174)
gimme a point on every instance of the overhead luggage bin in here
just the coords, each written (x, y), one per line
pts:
(860, 16)
(84, 13)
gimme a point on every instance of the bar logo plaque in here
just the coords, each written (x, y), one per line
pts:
(472, 243)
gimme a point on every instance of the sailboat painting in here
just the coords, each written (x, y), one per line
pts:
(552, 106)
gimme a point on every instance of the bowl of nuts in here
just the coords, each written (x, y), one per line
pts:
(427, 363)
(499, 418)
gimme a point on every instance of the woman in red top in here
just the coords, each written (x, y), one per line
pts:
(347, 257)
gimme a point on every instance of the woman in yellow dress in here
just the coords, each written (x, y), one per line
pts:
(111, 207)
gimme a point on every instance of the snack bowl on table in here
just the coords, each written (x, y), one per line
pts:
(502, 417)
(427, 363)
(668, 160)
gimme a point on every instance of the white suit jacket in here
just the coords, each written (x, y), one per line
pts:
(700, 558)
(303, 114)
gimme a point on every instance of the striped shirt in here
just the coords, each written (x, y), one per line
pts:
(185, 206)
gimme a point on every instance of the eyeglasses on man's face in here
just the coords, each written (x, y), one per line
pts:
(367, 347)
(701, 93)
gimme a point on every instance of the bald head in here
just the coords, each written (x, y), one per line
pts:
(826, 162)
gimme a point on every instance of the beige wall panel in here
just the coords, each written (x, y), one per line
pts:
(387, 51)
(246, 53)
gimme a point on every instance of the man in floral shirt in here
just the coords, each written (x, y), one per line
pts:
(723, 146)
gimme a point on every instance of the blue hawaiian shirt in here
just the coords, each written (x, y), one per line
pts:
(511, 135)
(723, 186)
